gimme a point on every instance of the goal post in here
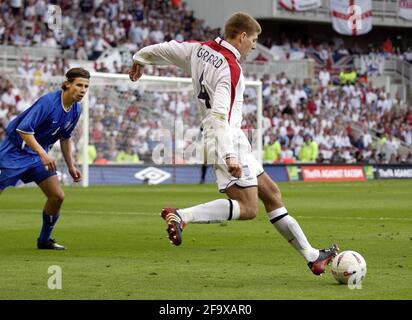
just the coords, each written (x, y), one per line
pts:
(130, 119)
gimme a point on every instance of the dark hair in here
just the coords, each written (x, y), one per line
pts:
(74, 73)
(241, 22)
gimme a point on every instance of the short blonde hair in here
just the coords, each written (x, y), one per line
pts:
(241, 22)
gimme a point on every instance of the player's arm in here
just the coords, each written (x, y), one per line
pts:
(34, 118)
(172, 52)
(66, 146)
(31, 141)
(220, 118)
(225, 144)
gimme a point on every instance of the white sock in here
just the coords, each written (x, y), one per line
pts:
(289, 228)
(214, 211)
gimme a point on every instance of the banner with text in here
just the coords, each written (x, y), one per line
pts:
(332, 173)
(392, 172)
(405, 9)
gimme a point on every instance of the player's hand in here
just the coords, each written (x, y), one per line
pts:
(234, 168)
(76, 174)
(48, 162)
(136, 72)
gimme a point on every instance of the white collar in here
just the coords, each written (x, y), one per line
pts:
(61, 101)
(228, 46)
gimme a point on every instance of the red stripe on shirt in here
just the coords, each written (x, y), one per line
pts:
(190, 41)
(233, 67)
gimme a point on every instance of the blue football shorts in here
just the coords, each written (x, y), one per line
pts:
(37, 173)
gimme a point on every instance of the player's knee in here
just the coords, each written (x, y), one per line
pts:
(275, 195)
(276, 191)
(58, 197)
(249, 211)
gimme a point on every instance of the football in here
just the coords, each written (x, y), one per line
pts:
(349, 267)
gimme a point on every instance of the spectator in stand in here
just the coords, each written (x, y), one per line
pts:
(408, 158)
(408, 55)
(311, 106)
(80, 50)
(348, 76)
(91, 154)
(286, 154)
(143, 150)
(127, 24)
(390, 148)
(387, 46)
(99, 44)
(324, 77)
(100, 158)
(2, 31)
(337, 156)
(9, 97)
(363, 79)
(102, 68)
(272, 150)
(127, 155)
(309, 149)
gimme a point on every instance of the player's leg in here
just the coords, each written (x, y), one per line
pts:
(278, 215)
(242, 193)
(203, 173)
(9, 177)
(247, 199)
(289, 228)
(54, 193)
(51, 212)
(241, 205)
(49, 184)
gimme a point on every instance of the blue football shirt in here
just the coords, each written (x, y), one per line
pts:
(47, 120)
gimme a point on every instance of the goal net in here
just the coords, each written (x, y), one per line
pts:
(154, 121)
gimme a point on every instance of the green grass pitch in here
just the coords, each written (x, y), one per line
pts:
(118, 249)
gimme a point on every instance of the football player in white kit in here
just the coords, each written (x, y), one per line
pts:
(219, 85)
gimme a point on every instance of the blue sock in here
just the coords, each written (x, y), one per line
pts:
(48, 224)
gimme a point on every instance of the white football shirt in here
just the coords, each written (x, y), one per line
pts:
(217, 79)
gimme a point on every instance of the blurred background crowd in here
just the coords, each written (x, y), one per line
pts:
(337, 116)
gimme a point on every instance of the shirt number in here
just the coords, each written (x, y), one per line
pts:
(203, 95)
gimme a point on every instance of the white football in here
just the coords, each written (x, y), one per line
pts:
(349, 267)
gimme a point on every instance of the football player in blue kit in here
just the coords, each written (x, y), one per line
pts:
(29, 137)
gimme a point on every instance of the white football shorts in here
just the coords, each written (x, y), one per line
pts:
(251, 168)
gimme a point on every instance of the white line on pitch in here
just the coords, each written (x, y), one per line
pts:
(357, 218)
(155, 213)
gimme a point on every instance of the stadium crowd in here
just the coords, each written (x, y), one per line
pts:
(92, 26)
(334, 52)
(340, 119)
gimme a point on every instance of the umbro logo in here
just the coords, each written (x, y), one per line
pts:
(152, 175)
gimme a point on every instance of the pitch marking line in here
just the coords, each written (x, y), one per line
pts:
(151, 214)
